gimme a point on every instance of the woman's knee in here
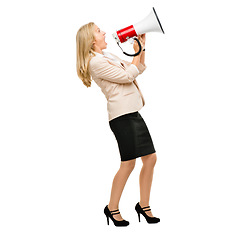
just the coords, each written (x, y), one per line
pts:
(128, 165)
(149, 160)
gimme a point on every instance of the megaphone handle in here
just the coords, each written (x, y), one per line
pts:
(135, 54)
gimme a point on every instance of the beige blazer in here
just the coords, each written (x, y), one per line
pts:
(118, 83)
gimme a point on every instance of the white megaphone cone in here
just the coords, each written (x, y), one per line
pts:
(151, 23)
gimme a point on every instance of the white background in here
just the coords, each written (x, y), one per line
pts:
(58, 154)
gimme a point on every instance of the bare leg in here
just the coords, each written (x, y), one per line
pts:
(118, 184)
(146, 177)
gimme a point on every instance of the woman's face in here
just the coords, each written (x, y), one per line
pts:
(99, 39)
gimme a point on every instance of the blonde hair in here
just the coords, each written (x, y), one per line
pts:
(84, 52)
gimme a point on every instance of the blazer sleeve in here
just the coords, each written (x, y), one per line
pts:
(101, 68)
(141, 67)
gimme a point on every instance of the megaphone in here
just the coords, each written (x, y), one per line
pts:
(150, 23)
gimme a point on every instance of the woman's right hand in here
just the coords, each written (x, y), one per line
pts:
(136, 46)
(136, 59)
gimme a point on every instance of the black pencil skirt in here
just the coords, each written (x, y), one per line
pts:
(132, 135)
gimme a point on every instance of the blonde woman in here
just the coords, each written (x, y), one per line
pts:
(117, 80)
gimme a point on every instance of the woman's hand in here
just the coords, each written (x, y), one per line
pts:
(141, 57)
(136, 46)
(142, 39)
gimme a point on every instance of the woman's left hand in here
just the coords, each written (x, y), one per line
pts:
(142, 39)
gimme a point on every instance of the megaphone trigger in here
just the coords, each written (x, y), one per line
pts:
(131, 40)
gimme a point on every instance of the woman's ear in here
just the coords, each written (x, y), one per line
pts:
(92, 46)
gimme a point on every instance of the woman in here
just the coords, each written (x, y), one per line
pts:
(116, 78)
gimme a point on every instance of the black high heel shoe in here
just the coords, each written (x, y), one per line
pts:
(142, 211)
(109, 214)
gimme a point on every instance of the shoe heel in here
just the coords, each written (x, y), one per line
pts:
(109, 214)
(143, 211)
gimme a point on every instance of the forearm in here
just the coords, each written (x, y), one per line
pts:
(139, 59)
(142, 58)
(136, 60)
